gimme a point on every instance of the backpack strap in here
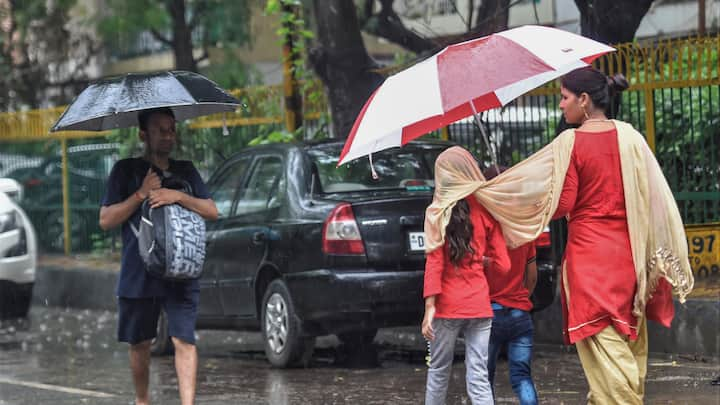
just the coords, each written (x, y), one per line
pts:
(138, 176)
(135, 229)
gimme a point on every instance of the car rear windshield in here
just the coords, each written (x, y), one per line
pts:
(408, 169)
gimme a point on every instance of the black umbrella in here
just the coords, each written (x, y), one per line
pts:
(114, 102)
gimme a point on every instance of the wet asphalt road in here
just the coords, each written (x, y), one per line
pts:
(70, 357)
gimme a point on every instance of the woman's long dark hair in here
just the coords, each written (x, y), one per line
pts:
(459, 232)
(604, 91)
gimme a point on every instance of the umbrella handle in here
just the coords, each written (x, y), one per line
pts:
(372, 168)
(493, 155)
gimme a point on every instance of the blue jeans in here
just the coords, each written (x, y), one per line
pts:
(513, 327)
(442, 352)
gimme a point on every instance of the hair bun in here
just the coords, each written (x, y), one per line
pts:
(617, 83)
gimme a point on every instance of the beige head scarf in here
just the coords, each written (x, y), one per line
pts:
(457, 175)
(524, 198)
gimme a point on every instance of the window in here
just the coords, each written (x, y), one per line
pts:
(226, 187)
(265, 188)
(398, 168)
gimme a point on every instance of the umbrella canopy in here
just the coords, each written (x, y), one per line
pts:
(476, 75)
(114, 102)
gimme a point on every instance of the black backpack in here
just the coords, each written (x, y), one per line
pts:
(171, 238)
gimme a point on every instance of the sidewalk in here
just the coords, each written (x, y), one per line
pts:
(87, 281)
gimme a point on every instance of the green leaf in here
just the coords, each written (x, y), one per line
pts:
(272, 7)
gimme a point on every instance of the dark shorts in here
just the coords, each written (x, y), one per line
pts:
(138, 317)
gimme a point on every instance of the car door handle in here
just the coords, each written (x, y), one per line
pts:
(259, 238)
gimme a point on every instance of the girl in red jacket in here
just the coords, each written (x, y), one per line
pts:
(456, 289)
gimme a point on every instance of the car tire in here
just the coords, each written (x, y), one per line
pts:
(283, 339)
(162, 345)
(358, 338)
(15, 299)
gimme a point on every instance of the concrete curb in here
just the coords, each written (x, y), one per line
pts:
(694, 329)
(75, 288)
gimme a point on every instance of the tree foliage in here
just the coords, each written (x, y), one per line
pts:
(42, 59)
(181, 25)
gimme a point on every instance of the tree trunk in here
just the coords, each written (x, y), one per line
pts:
(342, 62)
(387, 24)
(492, 17)
(182, 37)
(611, 21)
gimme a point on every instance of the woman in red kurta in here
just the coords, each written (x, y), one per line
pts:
(456, 289)
(598, 277)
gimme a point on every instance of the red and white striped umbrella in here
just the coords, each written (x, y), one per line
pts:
(483, 73)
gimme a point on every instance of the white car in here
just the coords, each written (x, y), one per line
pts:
(18, 253)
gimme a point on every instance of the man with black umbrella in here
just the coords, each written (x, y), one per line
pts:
(140, 296)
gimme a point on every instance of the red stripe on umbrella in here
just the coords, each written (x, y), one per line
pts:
(353, 131)
(421, 128)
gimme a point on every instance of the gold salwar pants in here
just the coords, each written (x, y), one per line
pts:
(615, 367)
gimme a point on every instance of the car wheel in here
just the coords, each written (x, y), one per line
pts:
(285, 345)
(162, 344)
(358, 338)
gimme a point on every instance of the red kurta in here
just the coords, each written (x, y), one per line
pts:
(599, 269)
(509, 289)
(462, 291)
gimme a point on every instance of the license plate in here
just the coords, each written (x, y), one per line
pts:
(704, 254)
(417, 241)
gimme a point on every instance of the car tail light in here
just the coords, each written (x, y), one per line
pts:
(33, 182)
(341, 235)
(544, 239)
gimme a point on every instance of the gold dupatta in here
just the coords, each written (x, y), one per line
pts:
(524, 198)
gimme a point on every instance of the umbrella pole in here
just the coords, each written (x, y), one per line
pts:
(485, 137)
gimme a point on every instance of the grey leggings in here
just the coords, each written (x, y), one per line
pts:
(442, 351)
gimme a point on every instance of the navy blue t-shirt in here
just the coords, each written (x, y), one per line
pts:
(125, 179)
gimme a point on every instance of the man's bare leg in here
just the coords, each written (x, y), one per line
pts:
(186, 367)
(140, 367)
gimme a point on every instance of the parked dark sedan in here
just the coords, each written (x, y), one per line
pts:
(88, 167)
(304, 248)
